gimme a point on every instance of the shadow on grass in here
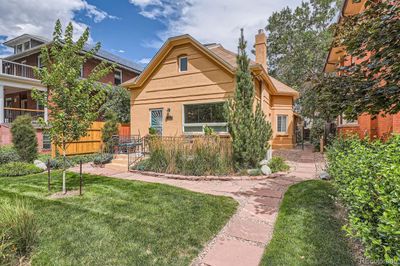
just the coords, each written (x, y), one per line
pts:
(307, 231)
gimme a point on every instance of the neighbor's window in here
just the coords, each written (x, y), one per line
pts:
(282, 124)
(18, 49)
(39, 62)
(198, 116)
(117, 77)
(27, 45)
(46, 141)
(345, 121)
(183, 64)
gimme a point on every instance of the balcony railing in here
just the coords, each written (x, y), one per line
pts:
(16, 69)
(10, 114)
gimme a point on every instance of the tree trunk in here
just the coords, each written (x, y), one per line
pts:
(64, 188)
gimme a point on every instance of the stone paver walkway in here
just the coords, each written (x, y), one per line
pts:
(243, 239)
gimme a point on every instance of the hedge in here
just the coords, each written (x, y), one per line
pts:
(367, 176)
(18, 169)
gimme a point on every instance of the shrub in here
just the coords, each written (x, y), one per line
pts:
(24, 138)
(8, 154)
(18, 232)
(110, 129)
(278, 164)
(103, 158)
(19, 169)
(57, 162)
(367, 176)
(316, 132)
(197, 156)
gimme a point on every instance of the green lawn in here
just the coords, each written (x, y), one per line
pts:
(118, 222)
(307, 231)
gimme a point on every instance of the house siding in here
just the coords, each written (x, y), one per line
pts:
(167, 88)
(204, 82)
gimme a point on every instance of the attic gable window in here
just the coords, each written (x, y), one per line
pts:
(183, 63)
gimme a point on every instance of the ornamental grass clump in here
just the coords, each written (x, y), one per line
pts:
(209, 155)
(367, 176)
(18, 232)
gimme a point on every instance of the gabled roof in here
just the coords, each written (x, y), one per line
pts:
(217, 53)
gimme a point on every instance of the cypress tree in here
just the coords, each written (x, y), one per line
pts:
(249, 129)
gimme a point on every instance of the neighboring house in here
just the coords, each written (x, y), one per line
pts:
(365, 125)
(17, 81)
(185, 85)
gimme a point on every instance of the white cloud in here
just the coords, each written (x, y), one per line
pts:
(39, 16)
(144, 61)
(96, 14)
(210, 20)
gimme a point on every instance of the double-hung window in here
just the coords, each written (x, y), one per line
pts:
(198, 116)
(282, 124)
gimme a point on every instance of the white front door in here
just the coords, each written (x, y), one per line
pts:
(156, 120)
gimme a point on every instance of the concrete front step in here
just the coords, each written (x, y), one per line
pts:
(120, 161)
(113, 166)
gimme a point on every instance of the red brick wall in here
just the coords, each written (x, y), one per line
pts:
(92, 63)
(87, 68)
(380, 127)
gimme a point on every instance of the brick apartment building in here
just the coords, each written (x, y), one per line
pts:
(17, 81)
(365, 125)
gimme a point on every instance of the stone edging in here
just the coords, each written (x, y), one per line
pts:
(204, 178)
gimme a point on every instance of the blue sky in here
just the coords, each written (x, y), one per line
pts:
(135, 29)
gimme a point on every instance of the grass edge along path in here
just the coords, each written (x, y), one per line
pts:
(308, 230)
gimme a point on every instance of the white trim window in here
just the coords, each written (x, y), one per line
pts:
(281, 125)
(344, 122)
(39, 62)
(117, 77)
(183, 63)
(198, 116)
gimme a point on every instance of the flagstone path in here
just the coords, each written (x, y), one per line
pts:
(243, 239)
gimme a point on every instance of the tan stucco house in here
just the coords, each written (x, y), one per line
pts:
(185, 85)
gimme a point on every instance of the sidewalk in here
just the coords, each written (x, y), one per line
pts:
(243, 239)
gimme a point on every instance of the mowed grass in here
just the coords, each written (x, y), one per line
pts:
(307, 231)
(118, 222)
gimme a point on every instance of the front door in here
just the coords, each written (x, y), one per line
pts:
(156, 120)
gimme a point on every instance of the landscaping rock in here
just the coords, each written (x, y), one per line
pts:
(264, 162)
(266, 170)
(324, 175)
(253, 172)
(40, 164)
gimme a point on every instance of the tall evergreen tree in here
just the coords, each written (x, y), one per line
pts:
(249, 130)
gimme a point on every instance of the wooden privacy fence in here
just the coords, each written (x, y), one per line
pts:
(91, 143)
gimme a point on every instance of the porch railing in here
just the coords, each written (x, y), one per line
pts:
(10, 114)
(16, 69)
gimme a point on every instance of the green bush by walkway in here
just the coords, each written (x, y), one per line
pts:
(307, 231)
(367, 176)
(118, 222)
(18, 169)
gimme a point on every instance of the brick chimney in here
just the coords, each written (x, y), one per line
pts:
(261, 48)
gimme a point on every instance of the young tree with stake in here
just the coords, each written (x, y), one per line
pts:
(73, 102)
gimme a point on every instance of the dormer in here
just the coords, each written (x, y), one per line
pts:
(24, 43)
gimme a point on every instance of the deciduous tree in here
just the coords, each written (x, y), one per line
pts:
(75, 101)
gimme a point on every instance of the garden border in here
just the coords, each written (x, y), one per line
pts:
(206, 178)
